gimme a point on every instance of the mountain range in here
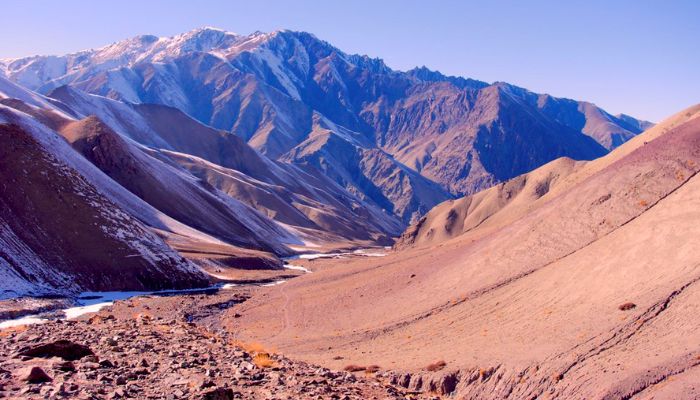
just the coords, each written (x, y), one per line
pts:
(236, 150)
(401, 141)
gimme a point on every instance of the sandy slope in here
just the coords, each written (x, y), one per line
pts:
(529, 308)
(504, 203)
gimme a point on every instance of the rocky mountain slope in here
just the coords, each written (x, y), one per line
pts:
(504, 203)
(578, 280)
(224, 204)
(178, 195)
(215, 214)
(60, 233)
(296, 98)
(305, 199)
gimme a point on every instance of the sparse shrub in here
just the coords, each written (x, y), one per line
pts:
(626, 306)
(260, 357)
(252, 347)
(13, 329)
(353, 368)
(263, 360)
(680, 176)
(436, 366)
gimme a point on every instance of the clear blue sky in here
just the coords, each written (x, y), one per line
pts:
(639, 57)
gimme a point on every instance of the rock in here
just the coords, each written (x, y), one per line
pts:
(206, 384)
(215, 369)
(35, 375)
(60, 388)
(91, 358)
(117, 394)
(90, 365)
(65, 366)
(64, 349)
(219, 394)
(258, 377)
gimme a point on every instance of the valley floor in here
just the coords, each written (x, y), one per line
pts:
(166, 347)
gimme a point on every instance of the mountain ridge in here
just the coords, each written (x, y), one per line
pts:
(270, 88)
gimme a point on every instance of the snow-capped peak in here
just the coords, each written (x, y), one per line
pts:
(202, 39)
(285, 57)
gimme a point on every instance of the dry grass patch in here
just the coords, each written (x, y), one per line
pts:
(12, 329)
(260, 356)
(263, 360)
(252, 347)
(680, 176)
(436, 366)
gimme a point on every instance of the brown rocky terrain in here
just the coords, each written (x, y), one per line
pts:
(59, 231)
(169, 191)
(574, 273)
(165, 348)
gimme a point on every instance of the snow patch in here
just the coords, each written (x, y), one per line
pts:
(275, 283)
(297, 268)
(28, 320)
(280, 72)
(358, 252)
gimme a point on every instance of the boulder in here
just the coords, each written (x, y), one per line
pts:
(219, 394)
(35, 375)
(64, 349)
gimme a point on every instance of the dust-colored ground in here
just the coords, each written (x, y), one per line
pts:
(592, 293)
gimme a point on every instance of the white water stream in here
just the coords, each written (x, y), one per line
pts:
(91, 302)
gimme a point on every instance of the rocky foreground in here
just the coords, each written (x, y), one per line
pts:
(165, 348)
